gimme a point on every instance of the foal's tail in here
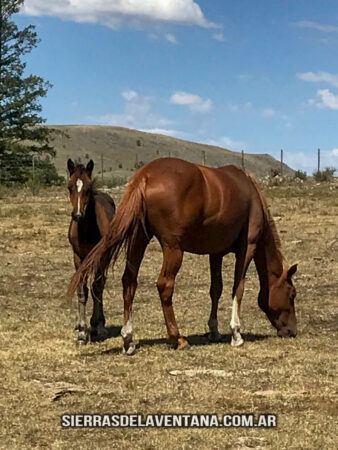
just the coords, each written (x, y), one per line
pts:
(129, 216)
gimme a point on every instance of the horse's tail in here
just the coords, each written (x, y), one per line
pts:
(129, 216)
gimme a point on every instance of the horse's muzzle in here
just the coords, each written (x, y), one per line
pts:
(77, 217)
(286, 332)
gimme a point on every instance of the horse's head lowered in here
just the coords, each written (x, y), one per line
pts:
(281, 308)
(80, 187)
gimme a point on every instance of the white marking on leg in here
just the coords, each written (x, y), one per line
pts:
(236, 340)
(127, 329)
(235, 322)
(129, 347)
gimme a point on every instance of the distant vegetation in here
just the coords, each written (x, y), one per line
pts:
(22, 139)
(300, 175)
(325, 175)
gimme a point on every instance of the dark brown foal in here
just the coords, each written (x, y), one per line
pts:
(91, 215)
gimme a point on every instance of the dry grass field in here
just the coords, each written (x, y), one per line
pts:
(44, 374)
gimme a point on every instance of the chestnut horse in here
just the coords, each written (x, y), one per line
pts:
(200, 210)
(91, 215)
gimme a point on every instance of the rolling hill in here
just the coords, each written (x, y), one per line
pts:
(122, 149)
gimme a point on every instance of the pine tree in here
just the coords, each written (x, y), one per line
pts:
(20, 133)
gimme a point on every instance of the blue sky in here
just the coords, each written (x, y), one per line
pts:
(254, 75)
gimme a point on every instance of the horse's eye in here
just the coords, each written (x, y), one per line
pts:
(70, 188)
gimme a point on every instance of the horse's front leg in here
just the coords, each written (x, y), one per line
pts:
(81, 325)
(82, 297)
(243, 259)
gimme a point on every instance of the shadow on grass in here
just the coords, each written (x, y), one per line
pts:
(194, 340)
(113, 331)
(202, 339)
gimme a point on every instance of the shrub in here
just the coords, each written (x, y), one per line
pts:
(274, 172)
(324, 175)
(115, 181)
(301, 175)
(138, 165)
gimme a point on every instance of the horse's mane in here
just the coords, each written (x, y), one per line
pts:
(267, 213)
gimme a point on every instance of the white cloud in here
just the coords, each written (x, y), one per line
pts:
(308, 161)
(193, 101)
(228, 143)
(244, 77)
(219, 36)
(137, 114)
(268, 112)
(325, 100)
(171, 38)
(130, 95)
(317, 26)
(115, 13)
(317, 77)
(173, 133)
(236, 108)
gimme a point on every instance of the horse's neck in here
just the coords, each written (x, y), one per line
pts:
(269, 263)
(90, 216)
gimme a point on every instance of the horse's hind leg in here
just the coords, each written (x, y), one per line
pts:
(98, 331)
(129, 283)
(216, 288)
(172, 260)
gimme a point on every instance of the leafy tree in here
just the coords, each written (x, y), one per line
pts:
(20, 132)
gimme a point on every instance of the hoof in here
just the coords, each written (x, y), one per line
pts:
(237, 342)
(183, 344)
(82, 337)
(81, 341)
(214, 336)
(131, 350)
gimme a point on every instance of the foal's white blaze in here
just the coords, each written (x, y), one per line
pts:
(235, 314)
(79, 185)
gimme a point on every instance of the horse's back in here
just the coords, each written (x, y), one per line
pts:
(202, 208)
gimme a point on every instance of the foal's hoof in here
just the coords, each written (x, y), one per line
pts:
(215, 336)
(82, 340)
(237, 342)
(131, 350)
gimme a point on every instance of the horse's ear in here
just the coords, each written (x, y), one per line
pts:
(291, 271)
(70, 166)
(90, 167)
